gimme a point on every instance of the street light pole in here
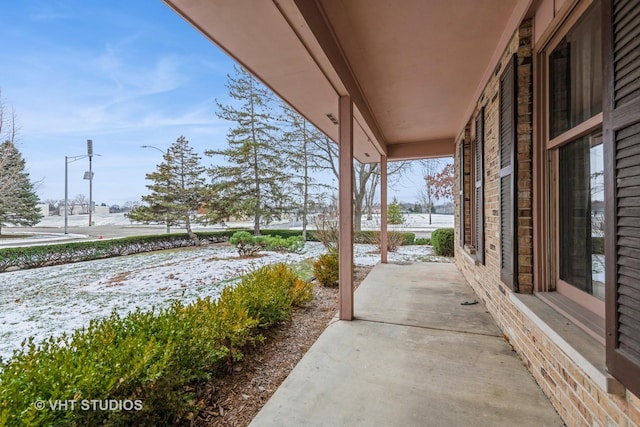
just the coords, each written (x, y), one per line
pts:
(66, 192)
(90, 154)
(163, 153)
(67, 160)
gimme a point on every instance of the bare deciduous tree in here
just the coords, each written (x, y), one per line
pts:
(366, 176)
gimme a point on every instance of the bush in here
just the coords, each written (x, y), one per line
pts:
(407, 238)
(597, 245)
(45, 255)
(294, 244)
(422, 241)
(268, 293)
(326, 269)
(442, 241)
(249, 245)
(246, 243)
(154, 357)
(327, 232)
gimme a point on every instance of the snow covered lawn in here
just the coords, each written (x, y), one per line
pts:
(52, 300)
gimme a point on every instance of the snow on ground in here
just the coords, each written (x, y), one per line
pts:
(411, 222)
(51, 300)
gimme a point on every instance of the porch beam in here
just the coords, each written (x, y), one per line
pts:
(317, 20)
(432, 148)
(345, 207)
(383, 209)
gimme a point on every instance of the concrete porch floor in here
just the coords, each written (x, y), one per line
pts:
(414, 356)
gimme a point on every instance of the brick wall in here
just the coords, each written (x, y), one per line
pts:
(576, 397)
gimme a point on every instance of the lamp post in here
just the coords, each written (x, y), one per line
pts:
(67, 160)
(90, 154)
(87, 175)
(163, 154)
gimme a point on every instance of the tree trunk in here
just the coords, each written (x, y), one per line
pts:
(256, 169)
(305, 202)
(190, 232)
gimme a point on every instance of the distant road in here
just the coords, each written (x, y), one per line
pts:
(94, 232)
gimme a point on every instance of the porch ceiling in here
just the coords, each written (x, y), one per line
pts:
(414, 68)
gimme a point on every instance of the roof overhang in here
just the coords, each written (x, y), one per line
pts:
(414, 69)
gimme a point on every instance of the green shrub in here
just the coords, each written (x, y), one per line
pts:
(442, 241)
(276, 243)
(45, 255)
(154, 357)
(422, 241)
(326, 269)
(246, 243)
(597, 245)
(249, 245)
(407, 238)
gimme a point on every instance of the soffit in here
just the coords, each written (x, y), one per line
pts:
(414, 68)
(418, 62)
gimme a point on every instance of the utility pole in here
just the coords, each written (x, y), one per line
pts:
(90, 154)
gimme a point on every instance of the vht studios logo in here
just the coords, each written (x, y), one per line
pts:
(88, 405)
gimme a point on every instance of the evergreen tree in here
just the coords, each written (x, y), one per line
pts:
(254, 179)
(300, 139)
(18, 200)
(178, 190)
(394, 213)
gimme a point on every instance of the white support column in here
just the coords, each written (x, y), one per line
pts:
(383, 209)
(345, 191)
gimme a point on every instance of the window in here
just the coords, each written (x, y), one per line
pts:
(575, 74)
(574, 148)
(581, 248)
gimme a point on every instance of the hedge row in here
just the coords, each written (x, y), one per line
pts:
(362, 236)
(63, 253)
(150, 360)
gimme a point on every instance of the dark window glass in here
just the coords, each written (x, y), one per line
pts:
(582, 214)
(575, 72)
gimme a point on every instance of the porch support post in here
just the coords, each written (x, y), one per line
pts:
(345, 192)
(383, 209)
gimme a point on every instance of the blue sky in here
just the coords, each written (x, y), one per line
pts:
(123, 73)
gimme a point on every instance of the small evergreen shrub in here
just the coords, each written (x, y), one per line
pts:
(442, 241)
(249, 245)
(326, 270)
(246, 243)
(154, 357)
(407, 238)
(422, 241)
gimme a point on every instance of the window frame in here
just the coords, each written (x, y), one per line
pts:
(585, 310)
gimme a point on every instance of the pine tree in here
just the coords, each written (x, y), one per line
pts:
(254, 179)
(18, 200)
(300, 139)
(394, 213)
(178, 190)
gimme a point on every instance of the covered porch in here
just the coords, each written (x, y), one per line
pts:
(413, 355)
